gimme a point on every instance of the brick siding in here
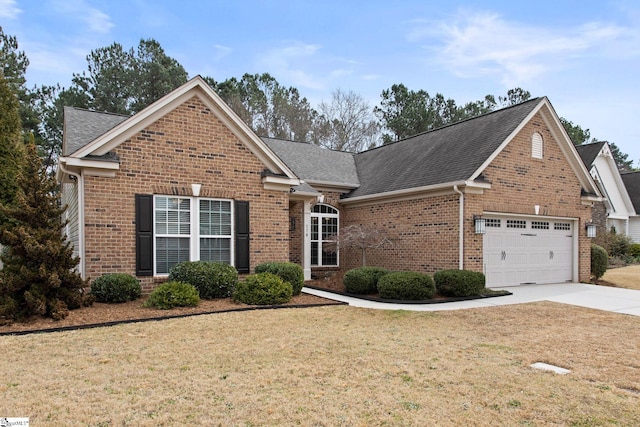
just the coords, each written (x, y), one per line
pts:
(187, 145)
(425, 231)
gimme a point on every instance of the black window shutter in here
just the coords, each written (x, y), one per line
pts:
(242, 236)
(144, 235)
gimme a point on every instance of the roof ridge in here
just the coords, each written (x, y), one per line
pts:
(308, 143)
(591, 143)
(98, 112)
(454, 124)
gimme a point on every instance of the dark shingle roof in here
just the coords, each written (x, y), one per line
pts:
(632, 183)
(589, 152)
(83, 126)
(313, 163)
(448, 154)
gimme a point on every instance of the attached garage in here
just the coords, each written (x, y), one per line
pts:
(526, 250)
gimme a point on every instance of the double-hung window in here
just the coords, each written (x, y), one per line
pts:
(191, 229)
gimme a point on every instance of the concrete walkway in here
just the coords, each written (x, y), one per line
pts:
(617, 300)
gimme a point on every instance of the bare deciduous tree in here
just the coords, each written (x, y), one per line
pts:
(361, 237)
(347, 123)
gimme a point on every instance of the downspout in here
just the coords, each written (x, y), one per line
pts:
(80, 182)
(460, 229)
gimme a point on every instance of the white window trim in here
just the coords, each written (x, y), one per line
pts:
(194, 229)
(319, 243)
(537, 146)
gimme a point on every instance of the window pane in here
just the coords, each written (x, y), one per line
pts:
(329, 258)
(169, 252)
(329, 228)
(172, 216)
(218, 250)
(314, 254)
(314, 228)
(215, 218)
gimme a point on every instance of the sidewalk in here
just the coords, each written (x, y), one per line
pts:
(617, 300)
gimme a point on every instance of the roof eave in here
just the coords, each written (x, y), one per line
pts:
(415, 191)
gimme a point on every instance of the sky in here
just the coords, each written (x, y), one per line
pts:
(583, 55)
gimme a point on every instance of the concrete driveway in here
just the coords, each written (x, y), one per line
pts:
(617, 300)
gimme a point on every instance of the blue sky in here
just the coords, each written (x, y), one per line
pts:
(584, 55)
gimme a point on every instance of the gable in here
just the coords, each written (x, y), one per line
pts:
(606, 174)
(521, 180)
(112, 138)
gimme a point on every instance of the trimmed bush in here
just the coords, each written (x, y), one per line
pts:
(599, 261)
(115, 288)
(406, 285)
(263, 289)
(363, 280)
(459, 283)
(211, 279)
(287, 271)
(173, 294)
(619, 245)
(634, 250)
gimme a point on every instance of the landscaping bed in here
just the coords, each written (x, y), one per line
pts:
(334, 283)
(108, 314)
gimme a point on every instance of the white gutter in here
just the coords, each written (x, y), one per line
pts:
(80, 181)
(460, 229)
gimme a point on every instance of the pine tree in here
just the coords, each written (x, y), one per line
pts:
(38, 277)
(11, 145)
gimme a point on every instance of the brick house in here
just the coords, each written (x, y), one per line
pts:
(616, 208)
(185, 179)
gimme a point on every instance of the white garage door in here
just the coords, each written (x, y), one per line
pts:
(528, 250)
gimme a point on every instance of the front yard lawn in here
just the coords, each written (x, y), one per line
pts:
(329, 366)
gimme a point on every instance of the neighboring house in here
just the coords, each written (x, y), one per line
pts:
(186, 179)
(616, 208)
(632, 183)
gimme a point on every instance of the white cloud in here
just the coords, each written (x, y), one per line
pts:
(286, 63)
(484, 43)
(220, 52)
(9, 9)
(307, 66)
(97, 20)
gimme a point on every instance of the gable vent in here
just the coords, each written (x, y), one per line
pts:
(536, 145)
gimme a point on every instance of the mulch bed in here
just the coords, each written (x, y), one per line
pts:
(101, 314)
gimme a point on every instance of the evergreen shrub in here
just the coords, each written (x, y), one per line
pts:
(363, 280)
(173, 294)
(116, 288)
(599, 261)
(263, 289)
(459, 283)
(287, 271)
(406, 285)
(211, 279)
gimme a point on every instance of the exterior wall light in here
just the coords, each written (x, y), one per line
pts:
(591, 229)
(480, 224)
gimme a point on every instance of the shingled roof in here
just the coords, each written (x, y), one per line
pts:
(316, 164)
(632, 183)
(589, 152)
(448, 154)
(83, 126)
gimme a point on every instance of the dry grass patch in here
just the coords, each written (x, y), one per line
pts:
(330, 366)
(624, 277)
